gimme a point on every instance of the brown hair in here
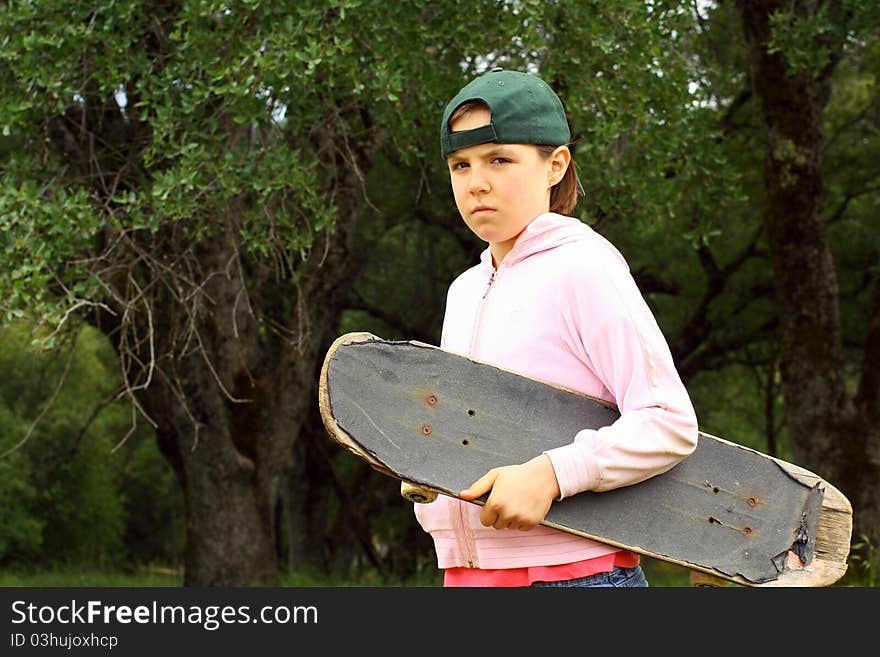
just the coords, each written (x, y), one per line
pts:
(564, 194)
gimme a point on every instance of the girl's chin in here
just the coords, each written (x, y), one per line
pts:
(491, 237)
(495, 236)
(489, 233)
(492, 232)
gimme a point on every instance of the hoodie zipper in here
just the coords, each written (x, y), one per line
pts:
(562, 234)
(491, 280)
(469, 546)
(478, 316)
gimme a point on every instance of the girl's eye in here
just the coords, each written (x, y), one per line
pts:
(500, 160)
(459, 165)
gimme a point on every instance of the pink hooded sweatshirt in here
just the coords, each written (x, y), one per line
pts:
(562, 307)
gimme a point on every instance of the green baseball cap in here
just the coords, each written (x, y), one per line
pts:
(524, 110)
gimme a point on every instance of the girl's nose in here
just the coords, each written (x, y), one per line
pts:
(478, 181)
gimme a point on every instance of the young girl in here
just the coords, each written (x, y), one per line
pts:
(553, 300)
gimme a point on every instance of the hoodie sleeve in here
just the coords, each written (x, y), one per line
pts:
(609, 327)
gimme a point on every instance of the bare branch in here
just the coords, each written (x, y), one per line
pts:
(79, 304)
(131, 430)
(150, 336)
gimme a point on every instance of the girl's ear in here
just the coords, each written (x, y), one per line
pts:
(558, 164)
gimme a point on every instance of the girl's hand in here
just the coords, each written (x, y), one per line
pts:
(521, 494)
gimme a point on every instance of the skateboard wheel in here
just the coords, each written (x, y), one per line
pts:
(416, 494)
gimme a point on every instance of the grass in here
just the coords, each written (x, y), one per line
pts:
(145, 577)
(660, 574)
(79, 577)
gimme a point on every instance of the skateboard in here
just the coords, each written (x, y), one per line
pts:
(438, 421)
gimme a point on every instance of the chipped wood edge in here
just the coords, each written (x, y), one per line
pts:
(342, 437)
(833, 532)
(333, 429)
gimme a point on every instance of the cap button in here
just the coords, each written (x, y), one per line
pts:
(495, 69)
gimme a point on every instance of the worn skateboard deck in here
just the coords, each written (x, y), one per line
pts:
(438, 420)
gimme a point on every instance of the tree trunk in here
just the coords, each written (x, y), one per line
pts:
(830, 433)
(308, 490)
(229, 397)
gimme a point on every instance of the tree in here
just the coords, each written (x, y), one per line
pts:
(169, 189)
(188, 178)
(795, 48)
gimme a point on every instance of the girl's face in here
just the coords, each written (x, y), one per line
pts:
(500, 188)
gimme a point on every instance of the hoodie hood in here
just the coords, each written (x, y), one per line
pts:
(548, 231)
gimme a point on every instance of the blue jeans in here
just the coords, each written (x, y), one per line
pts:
(619, 577)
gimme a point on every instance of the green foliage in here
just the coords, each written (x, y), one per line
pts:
(21, 531)
(38, 228)
(63, 480)
(300, 77)
(795, 35)
(864, 563)
(852, 163)
(63, 471)
(809, 35)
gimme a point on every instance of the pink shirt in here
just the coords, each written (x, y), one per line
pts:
(461, 577)
(562, 307)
